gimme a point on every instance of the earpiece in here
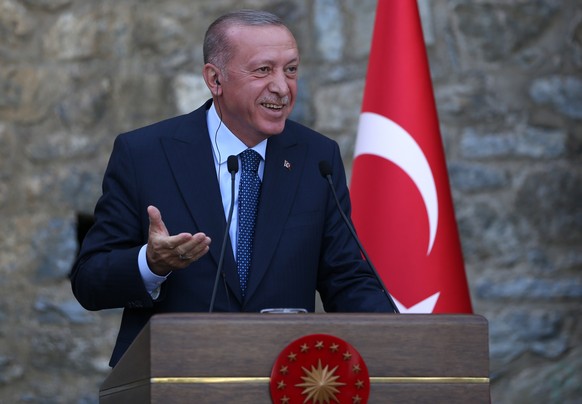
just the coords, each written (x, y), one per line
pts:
(216, 89)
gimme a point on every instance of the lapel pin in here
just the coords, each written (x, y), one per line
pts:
(287, 165)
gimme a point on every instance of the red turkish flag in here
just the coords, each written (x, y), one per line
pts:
(402, 205)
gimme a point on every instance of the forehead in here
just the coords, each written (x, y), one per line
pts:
(262, 41)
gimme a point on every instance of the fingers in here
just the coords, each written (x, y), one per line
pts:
(194, 248)
(176, 252)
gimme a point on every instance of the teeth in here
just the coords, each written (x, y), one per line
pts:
(273, 106)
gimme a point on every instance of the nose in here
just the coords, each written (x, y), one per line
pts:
(278, 84)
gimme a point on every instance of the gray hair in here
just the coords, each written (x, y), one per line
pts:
(217, 48)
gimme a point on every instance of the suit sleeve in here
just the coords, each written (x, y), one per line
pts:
(106, 274)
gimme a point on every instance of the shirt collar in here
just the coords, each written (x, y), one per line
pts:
(224, 142)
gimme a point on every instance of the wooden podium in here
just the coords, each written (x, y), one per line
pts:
(223, 358)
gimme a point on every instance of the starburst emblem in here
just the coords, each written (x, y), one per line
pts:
(320, 384)
(319, 369)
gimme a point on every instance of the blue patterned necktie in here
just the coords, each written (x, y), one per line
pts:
(248, 199)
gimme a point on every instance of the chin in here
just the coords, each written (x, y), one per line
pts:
(271, 130)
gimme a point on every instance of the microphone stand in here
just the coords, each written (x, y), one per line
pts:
(232, 164)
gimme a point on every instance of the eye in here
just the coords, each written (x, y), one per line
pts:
(264, 69)
(291, 70)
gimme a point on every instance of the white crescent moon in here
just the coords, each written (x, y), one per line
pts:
(380, 136)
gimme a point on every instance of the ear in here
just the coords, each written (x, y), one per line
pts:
(211, 75)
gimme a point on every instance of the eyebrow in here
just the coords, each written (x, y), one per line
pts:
(272, 61)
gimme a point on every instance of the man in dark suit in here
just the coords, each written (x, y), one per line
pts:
(166, 195)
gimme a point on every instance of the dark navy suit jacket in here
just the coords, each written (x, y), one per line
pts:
(301, 243)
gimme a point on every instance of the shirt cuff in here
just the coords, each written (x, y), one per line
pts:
(151, 281)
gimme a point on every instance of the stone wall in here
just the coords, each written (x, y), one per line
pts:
(506, 73)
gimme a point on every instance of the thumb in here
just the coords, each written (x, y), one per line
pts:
(157, 225)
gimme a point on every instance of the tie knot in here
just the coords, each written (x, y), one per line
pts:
(250, 160)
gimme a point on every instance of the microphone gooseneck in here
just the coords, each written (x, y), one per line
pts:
(326, 171)
(232, 165)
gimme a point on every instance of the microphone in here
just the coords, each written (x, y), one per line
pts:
(326, 171)
(232, 165)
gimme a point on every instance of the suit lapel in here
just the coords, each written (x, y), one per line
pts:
(280, 182)
(189, 153)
